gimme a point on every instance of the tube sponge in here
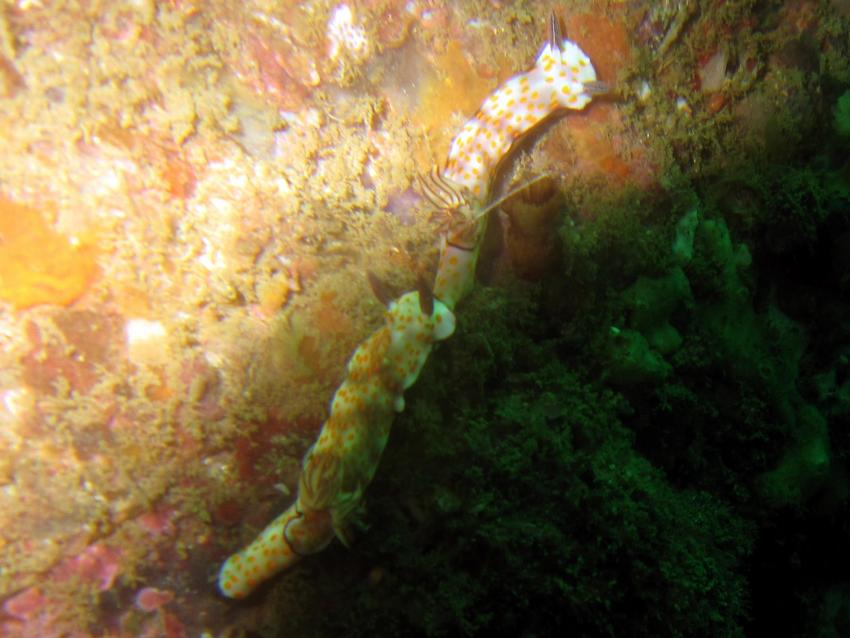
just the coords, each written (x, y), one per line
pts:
(841, 115)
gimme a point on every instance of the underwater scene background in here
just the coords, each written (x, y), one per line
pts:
(272, 365)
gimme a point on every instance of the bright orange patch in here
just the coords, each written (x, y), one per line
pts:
(585, 138)
(37, 264)
(606, 42)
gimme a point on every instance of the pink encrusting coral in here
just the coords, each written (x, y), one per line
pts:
(151, 598)
(39, 614)
(98, 564)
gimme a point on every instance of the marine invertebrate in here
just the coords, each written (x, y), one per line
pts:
(562, 77)
(531, 237)
(342, 462)
(37, 264)
(841, 115)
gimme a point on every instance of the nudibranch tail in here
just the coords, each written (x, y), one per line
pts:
(562, 77)
(273, 551)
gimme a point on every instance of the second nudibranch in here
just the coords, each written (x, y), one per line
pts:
(562, 77)
(340, 465)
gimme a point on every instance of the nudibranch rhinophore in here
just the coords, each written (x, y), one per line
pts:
(340, 465)
(562, 77)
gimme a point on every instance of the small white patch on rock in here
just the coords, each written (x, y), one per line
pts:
(344, 35)
(146, 341)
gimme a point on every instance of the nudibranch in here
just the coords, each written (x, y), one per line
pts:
(562, 77)
(340, 465)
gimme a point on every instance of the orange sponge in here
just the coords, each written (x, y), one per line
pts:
(37, 264)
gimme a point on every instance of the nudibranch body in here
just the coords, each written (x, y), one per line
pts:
(344, 459)
(456, 269)
(562, 77)
(340, 465)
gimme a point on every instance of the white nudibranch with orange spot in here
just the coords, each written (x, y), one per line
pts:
(340, 465)
(562, 77)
